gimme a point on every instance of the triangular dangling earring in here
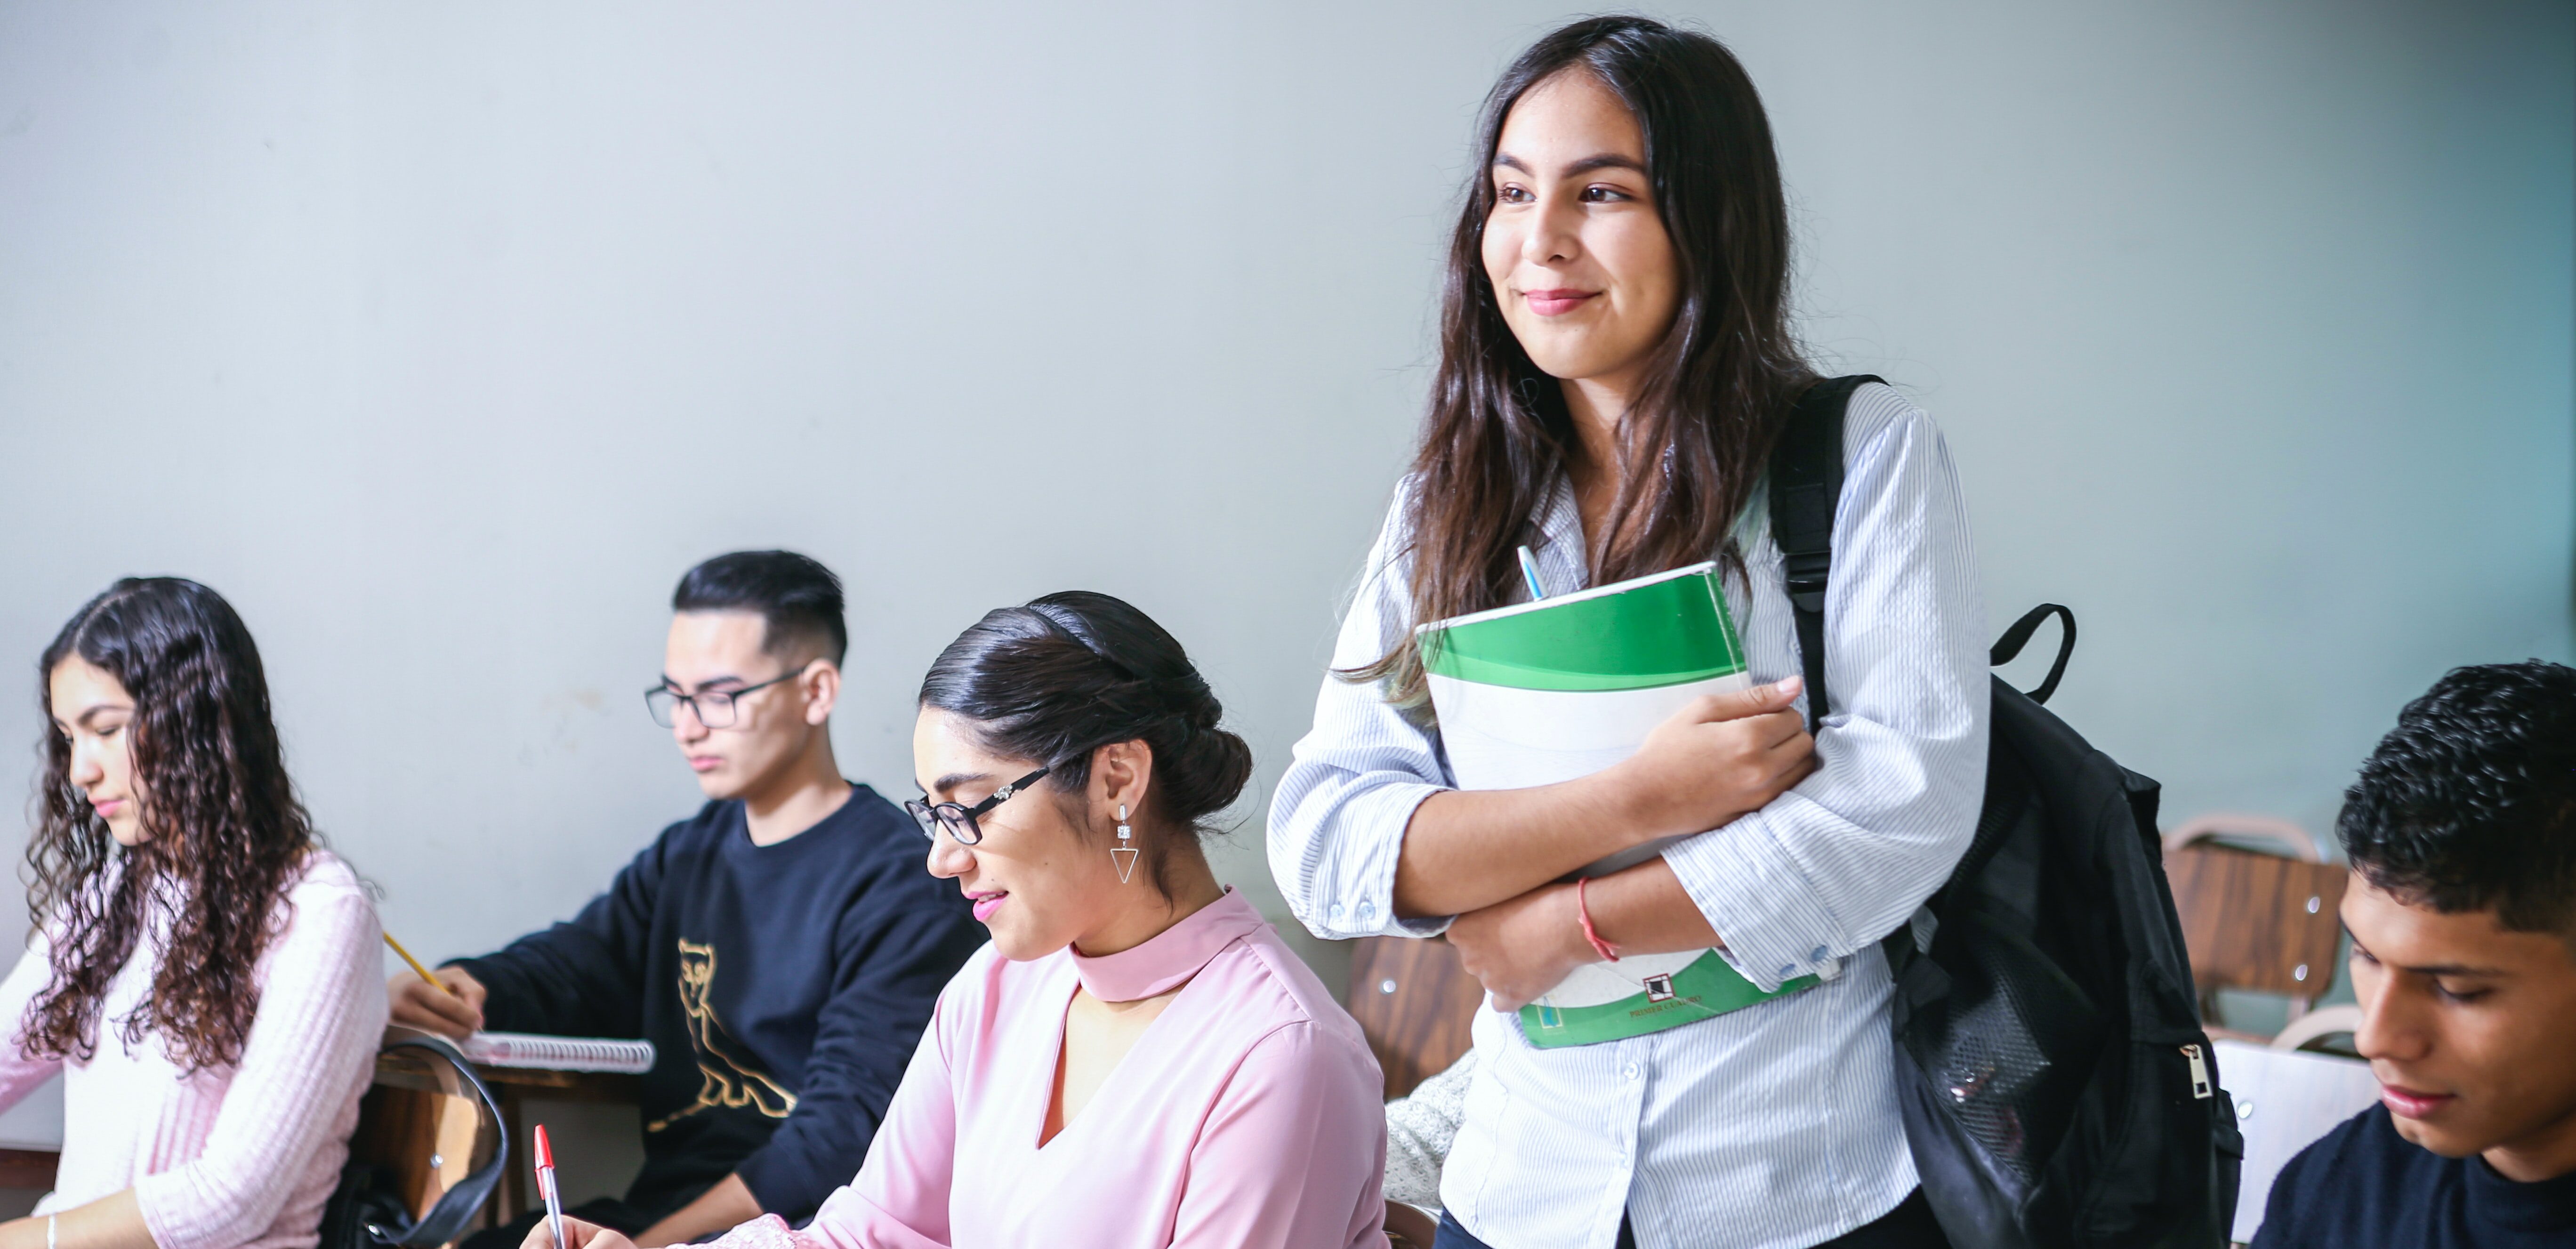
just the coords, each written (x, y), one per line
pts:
(1124, 852)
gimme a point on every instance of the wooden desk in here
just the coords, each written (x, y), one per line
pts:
(512, 1086)
(29, 1168)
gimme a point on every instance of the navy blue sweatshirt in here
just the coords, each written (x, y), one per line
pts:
(784, 988)
(2362, 1186)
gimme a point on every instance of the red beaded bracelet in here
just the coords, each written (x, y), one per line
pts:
(1609, 953)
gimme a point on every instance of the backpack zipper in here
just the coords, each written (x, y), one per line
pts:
(2199, 1072)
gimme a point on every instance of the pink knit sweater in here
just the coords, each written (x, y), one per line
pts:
(236, 1156)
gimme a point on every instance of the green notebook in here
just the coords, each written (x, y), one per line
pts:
(1563, 687)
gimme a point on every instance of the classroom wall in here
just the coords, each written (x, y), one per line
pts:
(442, 338)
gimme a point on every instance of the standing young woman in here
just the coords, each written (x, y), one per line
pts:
(1616, 364)
(205, 976)
(1136, 1060)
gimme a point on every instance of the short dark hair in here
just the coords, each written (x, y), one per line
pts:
(2470, 802)
(799, 600)
(1067, 674)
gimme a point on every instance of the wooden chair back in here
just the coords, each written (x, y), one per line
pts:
(1415, 1003)
(2256, 921)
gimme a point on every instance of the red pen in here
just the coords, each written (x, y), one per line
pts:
(546, 1186)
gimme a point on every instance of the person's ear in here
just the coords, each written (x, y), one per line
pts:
(821, 686)
(1120, 773)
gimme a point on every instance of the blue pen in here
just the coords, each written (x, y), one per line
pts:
(1529, 569)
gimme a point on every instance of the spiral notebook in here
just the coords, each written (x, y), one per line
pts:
(558, 1053)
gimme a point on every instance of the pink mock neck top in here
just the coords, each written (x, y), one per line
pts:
(1247, 1114)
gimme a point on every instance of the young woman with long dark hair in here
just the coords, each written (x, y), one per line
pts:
(203, 973)
(1136, 1060)
(1616, 364)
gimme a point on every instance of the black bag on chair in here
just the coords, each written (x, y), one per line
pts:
(2057, 1087)
(367, 1210)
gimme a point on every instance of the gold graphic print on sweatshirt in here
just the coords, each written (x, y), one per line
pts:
(726, 1080)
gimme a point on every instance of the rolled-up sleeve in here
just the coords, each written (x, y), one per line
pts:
(1846, 857)
(1337, 823)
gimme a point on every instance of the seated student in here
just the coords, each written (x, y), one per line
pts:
(781, 950)
(1137, 1060)
(202, 971)
(2462, 909)
(1421, 1126)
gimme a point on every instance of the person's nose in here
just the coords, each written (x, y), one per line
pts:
(2391, 1022)
(86, 768)
(1554, 233)
(948, 860)
(686, 728)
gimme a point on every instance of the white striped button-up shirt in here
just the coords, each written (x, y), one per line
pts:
(1775, 1125)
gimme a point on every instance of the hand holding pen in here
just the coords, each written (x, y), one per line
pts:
(555, 1231)
(546, 1188)
(446, 1001)
(766, 1233)
(582, 1235)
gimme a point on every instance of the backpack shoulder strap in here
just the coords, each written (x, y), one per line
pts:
(1806, 483)
(446, 1220)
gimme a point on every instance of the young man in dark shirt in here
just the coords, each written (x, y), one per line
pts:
(782, 950)
(2462, 909)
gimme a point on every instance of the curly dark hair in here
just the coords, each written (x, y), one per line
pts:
(2470, 802)
(224, 833)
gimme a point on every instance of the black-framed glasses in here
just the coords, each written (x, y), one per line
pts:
(958, 818)
(713, 708)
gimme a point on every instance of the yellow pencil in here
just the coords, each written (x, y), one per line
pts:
(416, 967)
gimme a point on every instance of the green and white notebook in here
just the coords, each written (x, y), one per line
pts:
(1563, 687)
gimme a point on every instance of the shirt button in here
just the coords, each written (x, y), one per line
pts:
(1335, 910)
(1816, 955)
(1786, 969)
(1367, 908)
(1631, 1071)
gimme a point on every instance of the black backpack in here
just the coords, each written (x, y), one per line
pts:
(2057, 1087)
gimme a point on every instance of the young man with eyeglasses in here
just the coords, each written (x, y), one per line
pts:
(2462, 909)
(782, 950)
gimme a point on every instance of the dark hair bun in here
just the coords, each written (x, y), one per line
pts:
(1205, 775)
(1068, 673)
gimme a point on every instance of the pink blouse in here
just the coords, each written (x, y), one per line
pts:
(1246, 1115)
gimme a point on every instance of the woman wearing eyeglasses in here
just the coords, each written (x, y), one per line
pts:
(1136, 1060)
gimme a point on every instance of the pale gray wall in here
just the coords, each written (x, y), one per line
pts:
(443, 337)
